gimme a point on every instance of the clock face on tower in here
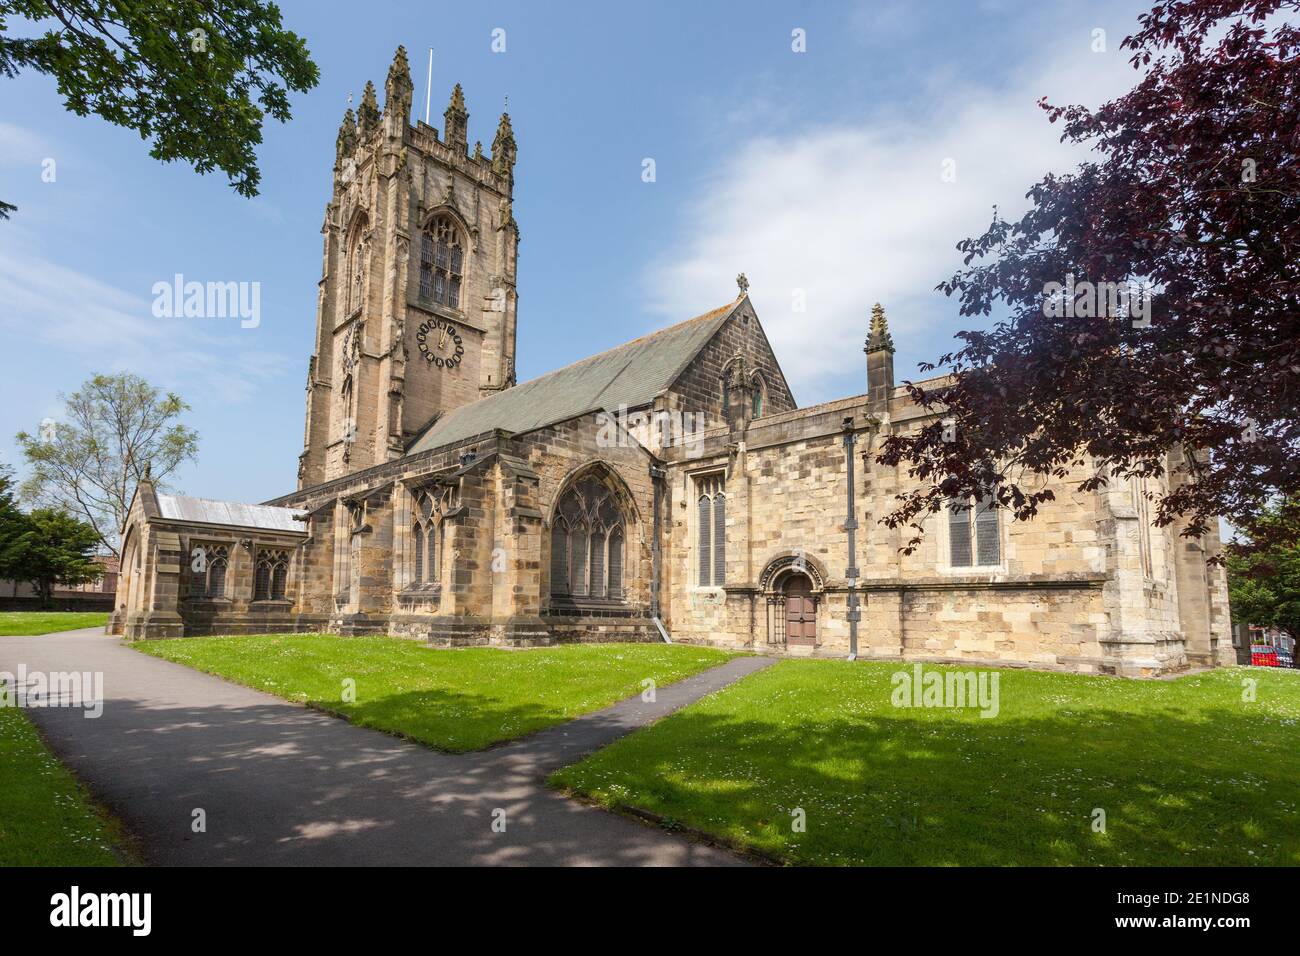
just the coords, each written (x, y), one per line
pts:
(440, 343)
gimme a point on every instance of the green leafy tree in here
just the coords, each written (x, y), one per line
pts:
(115, 427)
(57, 549)
(195, 78)
(1264, 577)
(13, 526)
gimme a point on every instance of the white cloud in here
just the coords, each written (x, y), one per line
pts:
(857, 212)
(19, 145)
(77, 315)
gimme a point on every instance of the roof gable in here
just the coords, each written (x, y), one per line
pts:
(630, 375)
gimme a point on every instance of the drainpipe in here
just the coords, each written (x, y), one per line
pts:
(850, 526)
(657, 476)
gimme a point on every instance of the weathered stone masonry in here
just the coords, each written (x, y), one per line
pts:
(667, 486)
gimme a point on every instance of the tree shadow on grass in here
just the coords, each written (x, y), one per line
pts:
(277, 784)
(913, 788)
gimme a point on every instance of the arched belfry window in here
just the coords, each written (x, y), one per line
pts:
(427, 537)
(588, 540)
(442, 262)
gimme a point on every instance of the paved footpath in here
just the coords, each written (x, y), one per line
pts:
(284, 785)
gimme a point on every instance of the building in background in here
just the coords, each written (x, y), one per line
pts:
(92, 596)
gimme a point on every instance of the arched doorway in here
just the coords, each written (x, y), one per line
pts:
(793, 584)
(800, 609)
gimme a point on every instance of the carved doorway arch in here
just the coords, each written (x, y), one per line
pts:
(792, 584)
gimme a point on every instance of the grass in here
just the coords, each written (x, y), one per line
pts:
(1187, 772)
(452, 700)
(46, 819)
(47, 622)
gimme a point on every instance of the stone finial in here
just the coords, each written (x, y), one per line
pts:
(398, 88)
(456, 120)
(743, 284)
(879, 339)
(368, 111)
(346, 143)
(504, 150)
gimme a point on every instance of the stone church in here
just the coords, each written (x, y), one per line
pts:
(667, 489)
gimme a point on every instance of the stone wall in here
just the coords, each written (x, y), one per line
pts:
(1075, 589)
(1089, 585)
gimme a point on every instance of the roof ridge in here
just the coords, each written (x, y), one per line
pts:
(455, 413)
(711, 314)
(221, 501)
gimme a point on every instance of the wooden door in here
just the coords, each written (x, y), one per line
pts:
(800, 611)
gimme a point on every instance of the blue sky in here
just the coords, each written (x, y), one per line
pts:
(819, 174)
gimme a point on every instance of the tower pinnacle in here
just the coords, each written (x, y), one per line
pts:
(880, 361)
(456, 121)
(346, 143)
(504, 150)
(368, 111)
(879, 338)
(398, 88)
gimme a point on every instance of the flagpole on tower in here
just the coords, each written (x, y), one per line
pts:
(428, 88)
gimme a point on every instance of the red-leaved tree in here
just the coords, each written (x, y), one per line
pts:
(1148, 301)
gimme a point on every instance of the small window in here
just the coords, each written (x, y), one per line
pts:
(973, 535)
(711, 531)
(758, 395)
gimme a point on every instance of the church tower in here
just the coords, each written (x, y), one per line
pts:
(416, 305)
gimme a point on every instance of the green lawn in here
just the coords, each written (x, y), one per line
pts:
(45, 817)
(1186, 771)
(47, 622)
(453, 700)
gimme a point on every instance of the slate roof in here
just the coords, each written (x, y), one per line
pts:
(631, 374)
(230, 514)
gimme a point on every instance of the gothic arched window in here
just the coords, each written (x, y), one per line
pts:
(587, 543)
(426, 539)
(211, 581)
(271, 575)
(442, 262)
